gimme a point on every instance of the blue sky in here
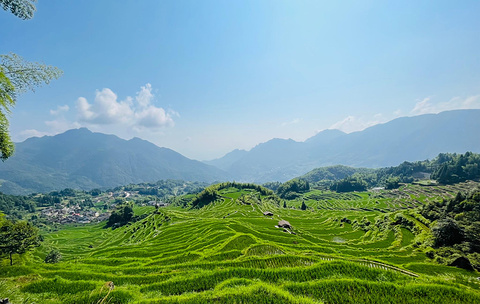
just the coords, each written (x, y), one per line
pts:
(206, 77)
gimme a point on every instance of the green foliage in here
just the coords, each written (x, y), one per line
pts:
(392, 183)
(205, 197)
(16, 206)
(447, 232)
(122, 214)
(355, 291)
(456, 225)
(446, 168)
(292, 188)
(47, 200)
(349, 184)
(344, 251)
(272, 185)
(23, 9)
(26, 76)
(17, 238)
(332, 173)
(7, 100)
(54, 256)
(458, 168)
(210, 194)
(17, 76)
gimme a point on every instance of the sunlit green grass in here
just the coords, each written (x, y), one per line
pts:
(229, 252)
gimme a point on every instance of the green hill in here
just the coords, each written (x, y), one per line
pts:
(81, 159)
(383, 145)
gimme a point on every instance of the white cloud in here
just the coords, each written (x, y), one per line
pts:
(173, 113)
(145, 97)
(352, 123)
(59, 110)
(153, 117)
(139, 113)
(31, 133)
(426, 106)
(105, 109)
(108, 114)
(292, 122)
(422, 107)
(61, 125)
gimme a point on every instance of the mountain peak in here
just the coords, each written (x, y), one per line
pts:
(82, 130)
(325, 136)
(82, 159)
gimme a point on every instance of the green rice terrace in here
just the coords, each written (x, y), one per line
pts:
(240, 243)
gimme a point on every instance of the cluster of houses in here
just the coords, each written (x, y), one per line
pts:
(65, 215)
(157, 204)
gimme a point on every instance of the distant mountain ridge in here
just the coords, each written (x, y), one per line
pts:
(82, 159)
(383, 145)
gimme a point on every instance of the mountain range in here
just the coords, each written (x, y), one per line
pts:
(383, 145)
(82, 159)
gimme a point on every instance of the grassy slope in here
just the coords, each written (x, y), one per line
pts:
(229, 252)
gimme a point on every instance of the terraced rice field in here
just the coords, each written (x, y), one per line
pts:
(229, 252)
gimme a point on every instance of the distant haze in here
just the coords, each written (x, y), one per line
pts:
(82, 159)
(206, 77)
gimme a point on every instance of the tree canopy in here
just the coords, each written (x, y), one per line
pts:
(18, 75)
(348, 184)
(23, 9)
(292, 188)
(122, 214)
(17, 238)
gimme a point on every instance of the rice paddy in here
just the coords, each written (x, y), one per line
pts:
(339, 250)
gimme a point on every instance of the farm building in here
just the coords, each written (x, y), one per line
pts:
(268, 213)
(284, 224)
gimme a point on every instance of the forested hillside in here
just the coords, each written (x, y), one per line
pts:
(81, 159)
(446, 168)
(383, 145)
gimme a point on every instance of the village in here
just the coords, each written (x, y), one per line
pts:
(73, 210)
(75, 214)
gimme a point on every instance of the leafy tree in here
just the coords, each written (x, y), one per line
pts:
(392, 183)
(205, 197)
(18, 75)
(457, 168)
(48, 200)
(304, 206)
(121, 215)
(23, 9)
(54, 256)
(67, 192)
(14, 206)
(291, 188)
(272, 185)
(348, 184)
(95, 192)
(447, 232)
(17, 238)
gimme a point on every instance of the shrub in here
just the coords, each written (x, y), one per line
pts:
(54, 256)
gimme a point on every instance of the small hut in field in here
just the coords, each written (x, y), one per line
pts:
(284, 224)
(268, 213)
